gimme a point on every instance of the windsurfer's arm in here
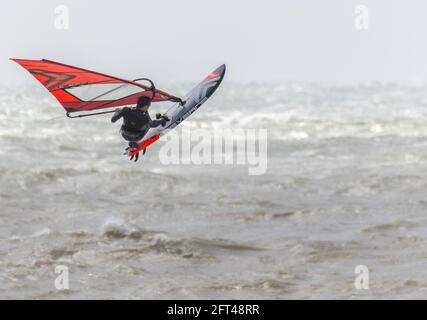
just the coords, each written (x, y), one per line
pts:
(160, 120)
(118, 114)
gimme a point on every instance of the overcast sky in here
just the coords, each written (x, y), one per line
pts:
(303, 40)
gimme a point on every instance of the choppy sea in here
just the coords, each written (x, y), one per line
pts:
(345, 186)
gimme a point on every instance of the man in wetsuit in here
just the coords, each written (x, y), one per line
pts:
(137, 121)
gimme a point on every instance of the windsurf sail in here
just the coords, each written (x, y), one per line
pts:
(79, 89)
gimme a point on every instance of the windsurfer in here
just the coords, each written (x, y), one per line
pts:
(137, 121)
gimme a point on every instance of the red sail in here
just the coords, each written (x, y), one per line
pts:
(79, 89)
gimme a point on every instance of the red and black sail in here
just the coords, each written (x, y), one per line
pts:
(79, 89)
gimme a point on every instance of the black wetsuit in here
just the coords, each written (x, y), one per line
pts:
(135, 123)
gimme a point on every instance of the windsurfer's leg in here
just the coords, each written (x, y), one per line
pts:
(133, 144)
(135, 156)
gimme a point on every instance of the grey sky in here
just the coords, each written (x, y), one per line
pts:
(307, 40)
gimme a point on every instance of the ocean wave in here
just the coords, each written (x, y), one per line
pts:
(293, 111)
